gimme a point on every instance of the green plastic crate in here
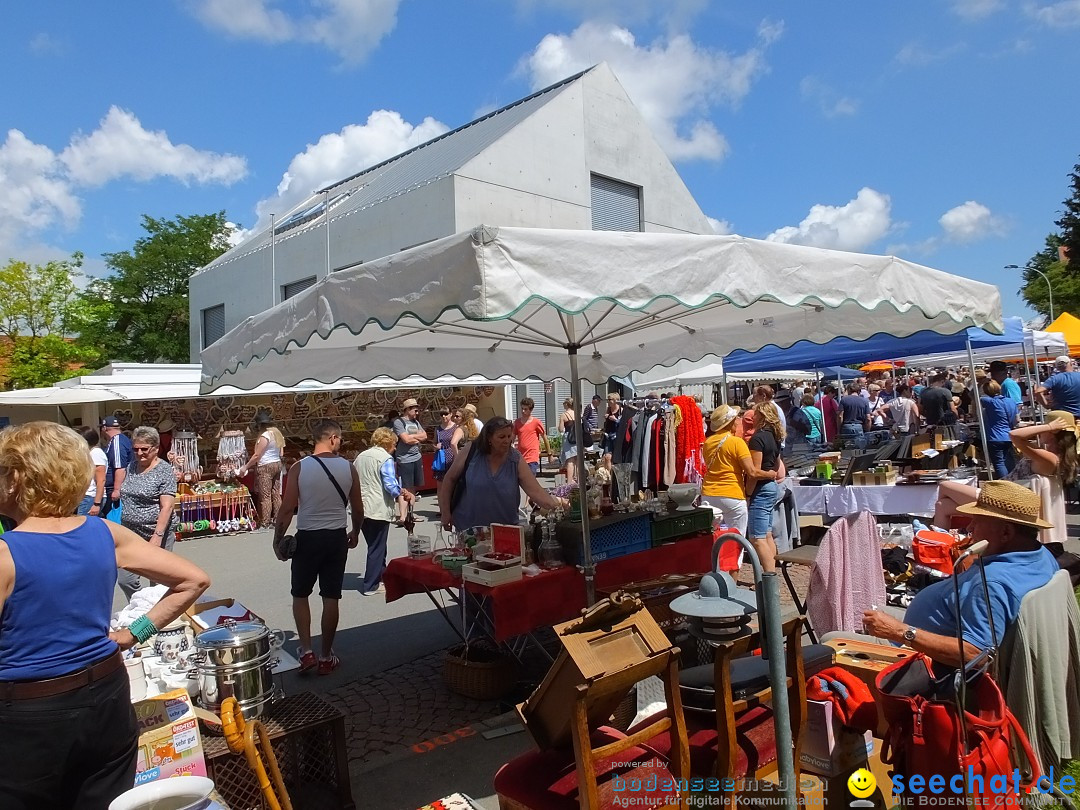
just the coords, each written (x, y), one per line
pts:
(674, 525)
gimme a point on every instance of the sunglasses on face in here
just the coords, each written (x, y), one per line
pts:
(142, 449)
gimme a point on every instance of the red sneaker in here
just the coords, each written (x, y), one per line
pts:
(308, 662)
(328, 665)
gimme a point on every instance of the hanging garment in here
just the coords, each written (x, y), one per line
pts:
(843, 582)
(670, 456)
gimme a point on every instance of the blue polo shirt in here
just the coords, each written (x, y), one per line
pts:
(999, 415)
(1064, 388)
(1011, 389)
(1009, 577)
(120, 455)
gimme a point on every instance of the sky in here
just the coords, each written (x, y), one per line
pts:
(941, 132)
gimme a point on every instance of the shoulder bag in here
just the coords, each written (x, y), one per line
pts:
(459, 485)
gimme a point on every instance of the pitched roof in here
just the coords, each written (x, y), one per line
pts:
(424, 164)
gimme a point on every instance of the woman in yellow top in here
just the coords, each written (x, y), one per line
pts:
(729, 469)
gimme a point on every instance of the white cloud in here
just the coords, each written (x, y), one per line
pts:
(976, 9)
(45, 44)
(970, 221)
(338, 155)
(828, 101)
(673, 82)
(915, 54)
(853, 226)
(721, 227)
(350, 28)
(121, 147)
(39, 189)
(1063, 14)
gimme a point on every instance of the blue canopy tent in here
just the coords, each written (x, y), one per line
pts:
(842, 350)
(838, 373)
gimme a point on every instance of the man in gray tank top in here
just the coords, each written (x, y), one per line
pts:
(321, 489)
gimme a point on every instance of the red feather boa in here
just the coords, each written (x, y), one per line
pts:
(689, 437)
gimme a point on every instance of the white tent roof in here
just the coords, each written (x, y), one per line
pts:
(701, 374)
(1047, 344)
(145, 382)
(519, 301)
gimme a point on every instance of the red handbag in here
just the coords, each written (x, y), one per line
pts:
(926, 736)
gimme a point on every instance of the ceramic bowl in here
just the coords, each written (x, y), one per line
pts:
(186, 793)
(683, 495)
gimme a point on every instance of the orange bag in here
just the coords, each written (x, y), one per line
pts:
(937, 550)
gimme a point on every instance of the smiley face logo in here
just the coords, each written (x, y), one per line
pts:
(861, 783)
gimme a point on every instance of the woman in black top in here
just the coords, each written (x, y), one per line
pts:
(765, 453)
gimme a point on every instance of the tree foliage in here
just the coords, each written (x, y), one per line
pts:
(1063, 276)
(141, 308)
(41, 315)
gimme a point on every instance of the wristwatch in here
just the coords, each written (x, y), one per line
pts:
(909, 635)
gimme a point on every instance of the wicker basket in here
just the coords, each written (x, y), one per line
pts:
(479, 671)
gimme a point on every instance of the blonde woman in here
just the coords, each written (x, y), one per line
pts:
(266, 460)
(384, 501)
(68, 732)
(469, 431)
(764, 448)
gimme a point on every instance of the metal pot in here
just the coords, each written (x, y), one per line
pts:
(235, 660)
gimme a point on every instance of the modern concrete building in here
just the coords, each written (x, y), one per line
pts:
(575, 155)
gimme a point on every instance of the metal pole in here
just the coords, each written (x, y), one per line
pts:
(1049, 290)
(723, 390)
(326, 214)
(979, 412)
(1027, 369)
(772, 626)
(273, 263)
(583, 483)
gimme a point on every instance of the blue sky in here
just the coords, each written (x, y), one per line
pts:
(942, 132)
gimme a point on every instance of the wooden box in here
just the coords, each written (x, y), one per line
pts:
(866, 479)
(594, 647)
(864, 660)
(491, 574)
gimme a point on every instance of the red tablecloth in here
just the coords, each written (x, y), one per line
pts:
(552, 596)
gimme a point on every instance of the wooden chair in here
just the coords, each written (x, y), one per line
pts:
(606, 767)
(730, 721)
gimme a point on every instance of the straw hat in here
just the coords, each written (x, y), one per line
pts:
(1005, 500)
(722, 417)
(1066, 417)
(409, 403)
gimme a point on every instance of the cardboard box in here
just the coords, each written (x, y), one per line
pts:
(864, 660)
(169, 742)
(874, 479)
(210, 611)
(828, 747)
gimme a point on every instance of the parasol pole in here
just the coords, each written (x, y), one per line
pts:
(1027, 369)
(723, 389)
(583, 488)
(979, 411)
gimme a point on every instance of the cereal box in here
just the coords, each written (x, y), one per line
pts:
(169, 743)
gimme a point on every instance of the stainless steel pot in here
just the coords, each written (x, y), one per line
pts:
(235, 660)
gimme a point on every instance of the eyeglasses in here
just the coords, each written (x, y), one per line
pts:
(444, 413)
(143, 449)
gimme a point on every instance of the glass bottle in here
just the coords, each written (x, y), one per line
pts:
(550, 551)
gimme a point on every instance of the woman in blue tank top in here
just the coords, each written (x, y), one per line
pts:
(492, 476)
(67, 727)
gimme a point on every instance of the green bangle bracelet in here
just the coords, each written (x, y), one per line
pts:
(143, 629)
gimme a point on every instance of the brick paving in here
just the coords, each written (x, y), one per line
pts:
(410, 709)
(405, 707)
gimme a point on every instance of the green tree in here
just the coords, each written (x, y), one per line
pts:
(1070, 224)
(140, 310)
(40, 317)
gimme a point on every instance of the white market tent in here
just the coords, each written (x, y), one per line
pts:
(1045, 344)
(530, 302)
(703, 374)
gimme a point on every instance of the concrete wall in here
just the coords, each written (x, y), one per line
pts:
(537, 175)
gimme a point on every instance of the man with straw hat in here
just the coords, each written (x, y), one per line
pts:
(1006, 515)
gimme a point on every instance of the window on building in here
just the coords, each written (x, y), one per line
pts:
(615, 206)
(296, 287)
(213, 324)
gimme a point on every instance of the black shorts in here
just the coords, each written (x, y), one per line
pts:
(320, 555)
(411, 473)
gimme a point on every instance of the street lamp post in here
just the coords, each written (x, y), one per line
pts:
(1049, 287)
